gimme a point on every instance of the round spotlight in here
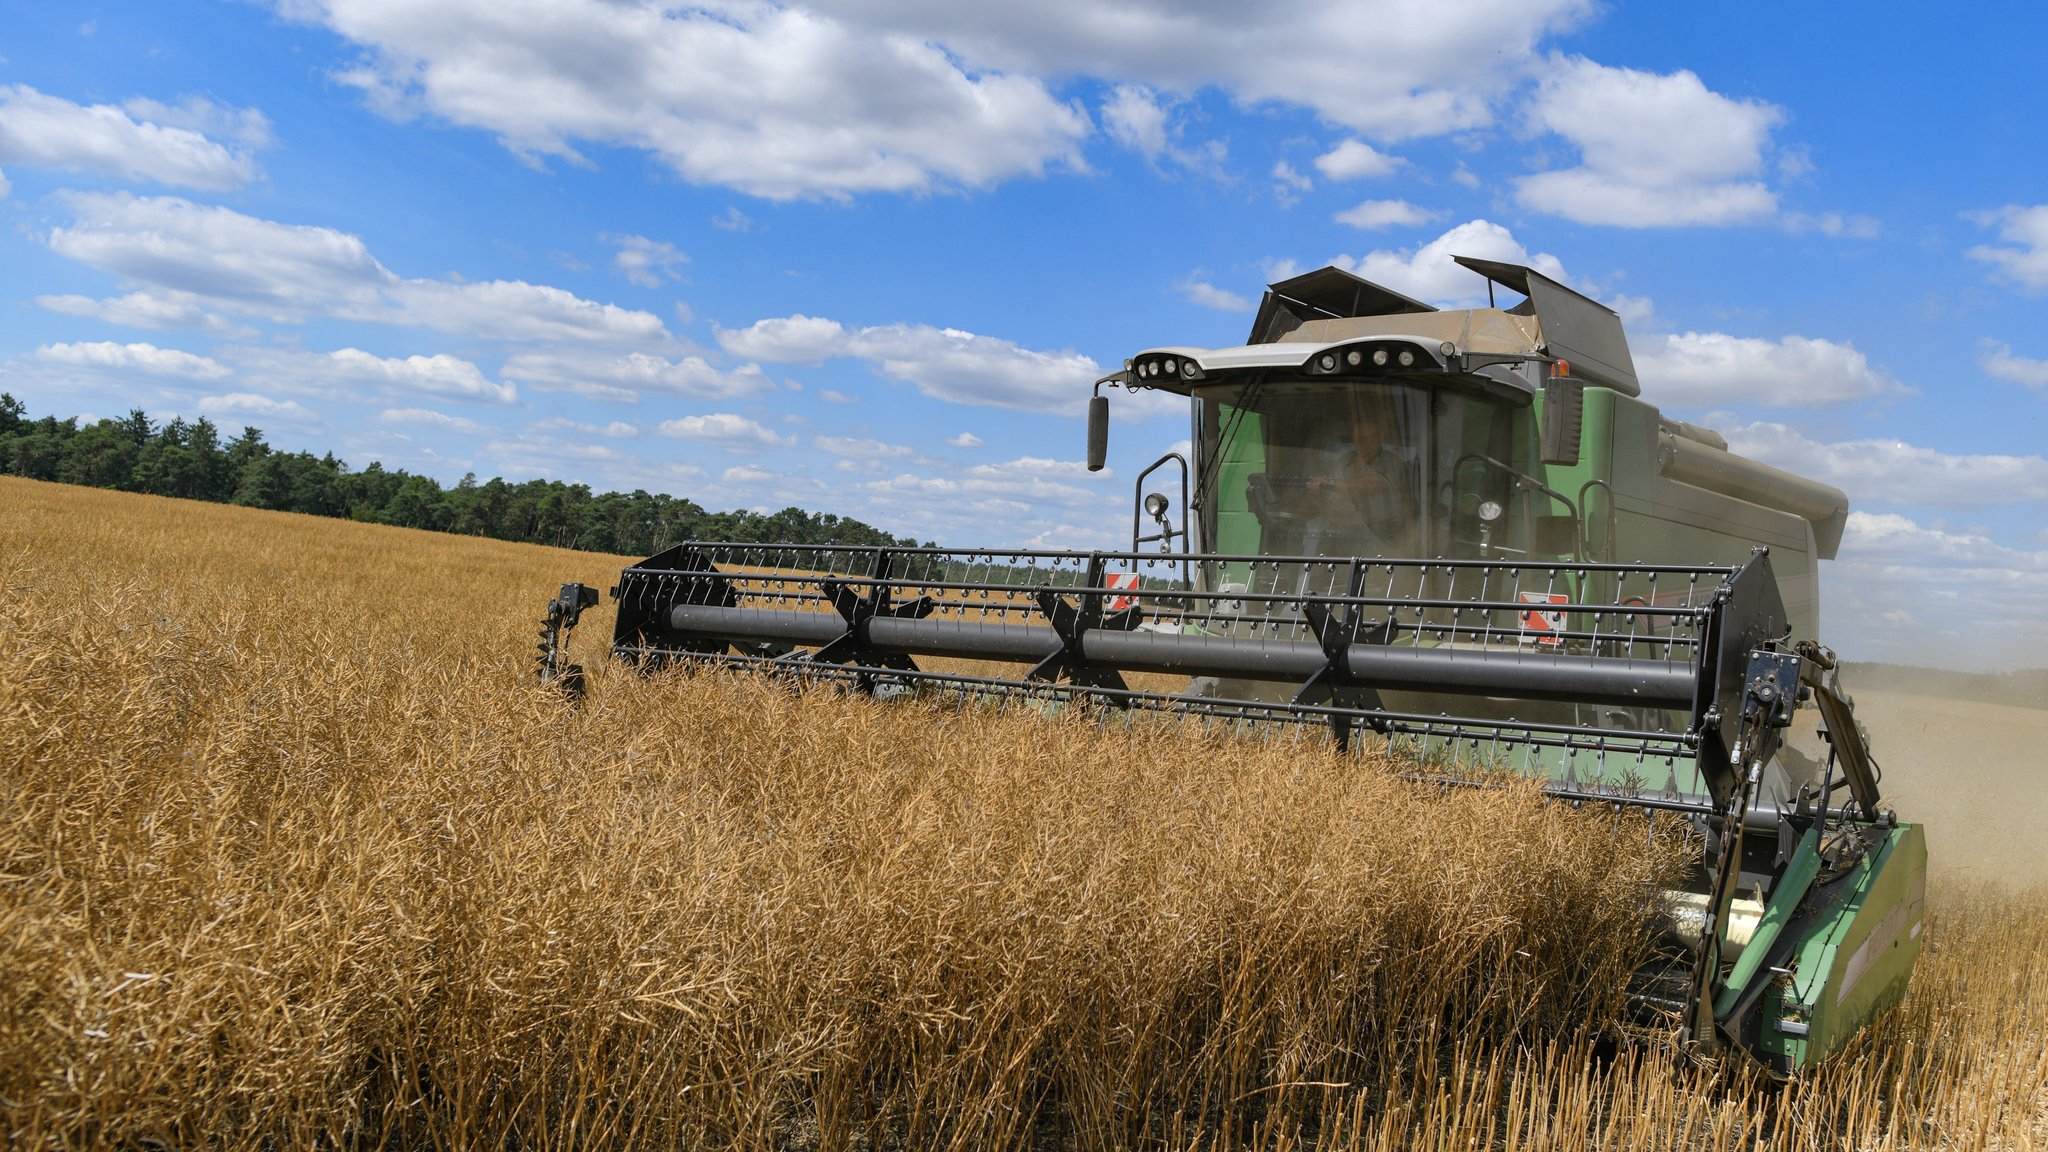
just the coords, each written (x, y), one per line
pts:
(1188, 370)
(1379, 357)
(1407, 358)
(1327, 363)
(1489, 511)
(1155, 504)
(1173, 367)
(1448, 349)
(1354, 358)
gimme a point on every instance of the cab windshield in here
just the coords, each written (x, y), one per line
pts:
(1293, 466)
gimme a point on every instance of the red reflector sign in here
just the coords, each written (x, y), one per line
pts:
(1121, 580)
(1540, 627)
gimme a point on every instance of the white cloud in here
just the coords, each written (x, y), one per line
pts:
(1206, 295)
(830, 396)
(749, 475)
(436, 375)
(858, 448)
(1385, 214)
(779, 102)
(161, 310)
(1384, 68)
(1832, 224)
(5, 187)
(1135, 119)
(1974, 602)
(626, 378)
(252, 404)
(733, 220)
(1703, 369)
(134, 358)
(428, 418)
(1289, 184)
(788, 340)
(1655, 150)
(646, 262)
(1356, 160)
(248, 127)
(2024, 256)
(1998, 361)
(1894, 472)
(52, 132)
(616, 430)
(726, 430)
(1428, 273)
(964, 440)
(943, 363)
(220, 258)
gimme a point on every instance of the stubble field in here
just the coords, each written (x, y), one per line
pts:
(294, 852)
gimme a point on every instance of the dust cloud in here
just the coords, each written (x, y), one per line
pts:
(1975, 774)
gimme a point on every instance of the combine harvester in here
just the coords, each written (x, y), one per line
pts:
(1460, 537)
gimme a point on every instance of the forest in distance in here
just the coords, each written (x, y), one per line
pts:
(192, 460)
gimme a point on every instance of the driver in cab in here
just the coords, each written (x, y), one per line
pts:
(1363, 498)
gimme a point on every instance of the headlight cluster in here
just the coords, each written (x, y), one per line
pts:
(1164, 367)
(1380, 356)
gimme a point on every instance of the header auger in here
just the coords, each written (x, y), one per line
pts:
(1403, 526)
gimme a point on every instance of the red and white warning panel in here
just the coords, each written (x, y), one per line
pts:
(1542, 627)
(1121, 580)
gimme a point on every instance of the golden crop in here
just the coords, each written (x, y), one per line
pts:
(293, 851)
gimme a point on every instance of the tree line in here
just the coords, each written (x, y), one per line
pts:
(189, 459)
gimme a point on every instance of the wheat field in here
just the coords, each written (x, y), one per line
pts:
(294, 852)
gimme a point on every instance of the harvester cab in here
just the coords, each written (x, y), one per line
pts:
(1460, 537)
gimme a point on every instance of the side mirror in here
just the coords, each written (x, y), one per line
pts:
(1098, 432)
(1564, 413)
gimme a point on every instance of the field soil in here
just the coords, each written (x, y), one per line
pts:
(294, 851)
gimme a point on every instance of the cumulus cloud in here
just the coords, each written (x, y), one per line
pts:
(964, 440)
(1428, 272)
(824, 107)
(602, 376)
(860, 449)
(428, 418)
(795, 339)
(1206, 295)
(1384, 68)
(253, 404)
(1356, 160)
(436, 375)
(49, 131)
(943, 363)
(211, 257)
(1998, 361)
(1703, 369)
(616, 430)
(162, 310)
(134, 358)
(725, 430)
(1894, 472)
(1655, 150)
(1967, 599)
(1134, 118)
(645, 262)
(1372, 214)
(2023, 257)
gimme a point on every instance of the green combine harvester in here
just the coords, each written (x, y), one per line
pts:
(1461, 537)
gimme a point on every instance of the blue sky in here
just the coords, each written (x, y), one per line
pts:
(866, 257)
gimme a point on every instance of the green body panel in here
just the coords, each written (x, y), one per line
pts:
(1855, 939)
(1787, 895)
(1661, 521)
